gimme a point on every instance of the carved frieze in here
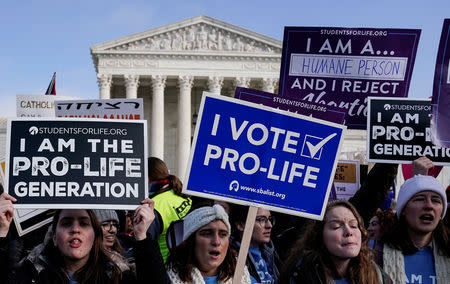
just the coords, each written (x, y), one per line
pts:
(261, 66)
(198, 37)
(127, 63)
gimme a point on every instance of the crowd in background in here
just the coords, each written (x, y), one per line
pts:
(174, 238)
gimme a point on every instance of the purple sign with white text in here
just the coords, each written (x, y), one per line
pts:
(440, 103)
(332, 114)
(342, 66)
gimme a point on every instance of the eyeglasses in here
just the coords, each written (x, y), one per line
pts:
(107, 226)
(263, 220)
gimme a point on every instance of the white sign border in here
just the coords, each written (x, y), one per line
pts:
(368, 135)
(250, 203)
(76, 206)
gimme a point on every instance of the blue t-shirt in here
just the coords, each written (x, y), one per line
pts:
(341, 281)
(69, 277)
(210, 280)
(419, 267)
(261, 267)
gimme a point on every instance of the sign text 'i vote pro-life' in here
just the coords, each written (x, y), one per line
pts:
(256, 155)
(70, 163)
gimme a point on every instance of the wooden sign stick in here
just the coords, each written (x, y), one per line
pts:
(245, 243)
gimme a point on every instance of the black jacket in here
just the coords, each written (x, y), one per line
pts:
(302, 275)
(40, 269)
(374, 191)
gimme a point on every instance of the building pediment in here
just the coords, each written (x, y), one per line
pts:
(195, 35)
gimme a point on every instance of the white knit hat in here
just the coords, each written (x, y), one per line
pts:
(417, 184)
(201, 217)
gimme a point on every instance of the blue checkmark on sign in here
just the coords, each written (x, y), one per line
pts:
(314, 146)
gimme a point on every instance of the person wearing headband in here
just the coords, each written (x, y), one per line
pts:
(205, 255)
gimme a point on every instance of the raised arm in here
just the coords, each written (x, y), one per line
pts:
(374, 191)
(149, 262)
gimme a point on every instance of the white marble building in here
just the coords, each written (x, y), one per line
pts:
(170, 66)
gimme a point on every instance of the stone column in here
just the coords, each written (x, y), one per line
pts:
(131, 85)
(157, 124)
(269, 85)
(104, 83)
(240, 82)
(215, 84)
(185, 84)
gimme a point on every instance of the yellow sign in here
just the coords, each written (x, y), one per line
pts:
(2, 171)
(345, 172)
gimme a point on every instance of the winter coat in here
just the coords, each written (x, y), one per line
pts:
(298, 276)
(38, 267)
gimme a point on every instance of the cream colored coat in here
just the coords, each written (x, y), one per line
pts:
(197, 278)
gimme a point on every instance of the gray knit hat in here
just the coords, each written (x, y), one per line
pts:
(201, 217)
(104, 215)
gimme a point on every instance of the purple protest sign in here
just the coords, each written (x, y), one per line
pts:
(440, 103)
(332, 114)
(342, 66)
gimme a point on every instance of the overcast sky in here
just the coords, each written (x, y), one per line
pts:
(41, 37)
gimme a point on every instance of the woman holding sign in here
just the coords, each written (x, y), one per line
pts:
(334, 250)
(75, 253)
(205, 255)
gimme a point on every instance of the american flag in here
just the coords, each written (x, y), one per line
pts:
(51, 90)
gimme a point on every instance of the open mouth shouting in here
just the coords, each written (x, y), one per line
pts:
(427, 218)
(214, 254)
(75, 243)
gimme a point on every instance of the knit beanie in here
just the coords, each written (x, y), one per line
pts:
(104, 215)
(201, 217)
(417, 184)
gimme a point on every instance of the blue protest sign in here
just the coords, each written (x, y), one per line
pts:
(255, 155)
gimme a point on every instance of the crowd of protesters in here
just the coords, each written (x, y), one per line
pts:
(356, 242)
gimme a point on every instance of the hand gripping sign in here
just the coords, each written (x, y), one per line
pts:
(71, 163)
(256, 155)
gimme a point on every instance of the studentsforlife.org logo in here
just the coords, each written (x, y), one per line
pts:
(33, 130)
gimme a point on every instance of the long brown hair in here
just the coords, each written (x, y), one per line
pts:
(157, 170)
(182, 260)
(385, 219)
(94, 270)
(316, 260)
(397, 237)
